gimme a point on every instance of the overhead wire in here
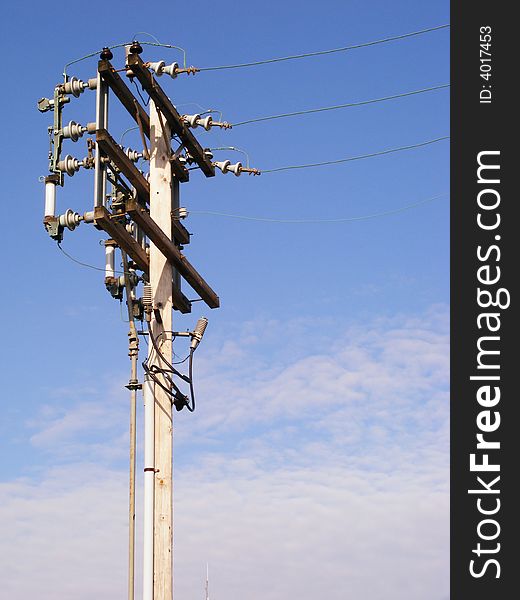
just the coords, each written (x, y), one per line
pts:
(359, 157)
(125, 132)
(233, 149)
(269, 60)
(340, 106)
(317, 221)
(324, 52)
(122, 45)
(83, 264)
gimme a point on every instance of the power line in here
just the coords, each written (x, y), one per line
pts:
(323, 52)
(338, 106)
(122, 45)
(360, 157)
(83, 264)
(340, 220)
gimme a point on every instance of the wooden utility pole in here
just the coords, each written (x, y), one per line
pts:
(161, 275)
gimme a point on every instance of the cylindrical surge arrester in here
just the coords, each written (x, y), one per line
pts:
(110, 258)
(198, 332)
(147, 295)
(51, 181)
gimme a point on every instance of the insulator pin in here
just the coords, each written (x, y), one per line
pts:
(237, 169)
(206, 123)
(70, 219)
(75, 86)
(69, 165)
(74, 131)
(157, 67)
(133, 155)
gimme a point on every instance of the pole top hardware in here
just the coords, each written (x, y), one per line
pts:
(135, 48)
(106, 54)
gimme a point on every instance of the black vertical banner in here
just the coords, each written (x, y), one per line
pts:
(485, 253)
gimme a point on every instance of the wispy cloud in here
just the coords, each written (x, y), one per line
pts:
(315, 464)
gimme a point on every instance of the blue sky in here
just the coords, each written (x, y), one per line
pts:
(322, 380)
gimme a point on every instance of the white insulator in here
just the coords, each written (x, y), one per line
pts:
(182, 212)
(110, 259)
(157, 67)
(236, 169)
(69, 165)
(130, 227)
(69, 219)
(191, 120)
(50, 198)
(74, 131)
(147, 295)
(171, 70)
(206, 123)
(223, 165)
(133, 155)
(74, 86)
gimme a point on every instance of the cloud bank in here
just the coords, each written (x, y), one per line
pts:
(316, 465)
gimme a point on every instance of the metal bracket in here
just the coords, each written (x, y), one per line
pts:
(53, 228)
(134, 385)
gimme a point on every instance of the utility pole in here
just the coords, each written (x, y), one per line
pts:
(161, 278)
(142, 217)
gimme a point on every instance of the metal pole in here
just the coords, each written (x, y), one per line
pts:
(149, 474)
(100, 175)
(133, 353)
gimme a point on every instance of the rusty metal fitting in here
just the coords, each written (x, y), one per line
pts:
(189, 70)
(251, 171)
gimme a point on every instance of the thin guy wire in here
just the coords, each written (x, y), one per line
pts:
(338, 106)
(340, 220)
(322, 52)
(360, 157)
(86, 264)
(203, 110)
(125, 132)
(145, 33)
(234, 149)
